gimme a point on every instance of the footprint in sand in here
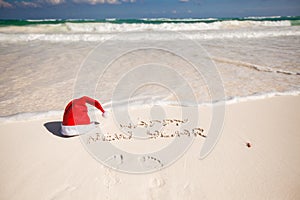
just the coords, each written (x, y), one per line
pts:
(150, 162)
(156, 182)
(115, 160)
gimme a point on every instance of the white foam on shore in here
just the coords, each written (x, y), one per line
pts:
(258, 96)
(100, 27)
(107, 106)
(154, 36)
(30, 116)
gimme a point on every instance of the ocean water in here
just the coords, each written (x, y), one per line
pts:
(46, 63)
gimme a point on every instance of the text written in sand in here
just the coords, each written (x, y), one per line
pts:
(153, 129)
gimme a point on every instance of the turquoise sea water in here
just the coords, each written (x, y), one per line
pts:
(257, 57)
(295, 20)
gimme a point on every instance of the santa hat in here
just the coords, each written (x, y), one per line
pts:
(76, 120)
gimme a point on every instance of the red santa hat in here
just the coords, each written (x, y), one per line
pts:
(76, 120)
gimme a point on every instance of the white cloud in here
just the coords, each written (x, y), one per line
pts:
(40, 3)
(113, 1)
(54, 2)
(28, 4)
(184, 1)
(93, 2)
(129, 1)
(4, 4)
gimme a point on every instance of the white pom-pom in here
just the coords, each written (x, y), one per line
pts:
(105, 114)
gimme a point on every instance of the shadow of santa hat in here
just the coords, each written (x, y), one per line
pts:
(76, 120)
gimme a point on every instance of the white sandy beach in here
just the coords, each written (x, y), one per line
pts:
(37, 164)
(155, 70)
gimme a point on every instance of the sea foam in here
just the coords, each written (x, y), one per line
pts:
(142, 102)
(155, 29)
(150, 35)
(101, 27)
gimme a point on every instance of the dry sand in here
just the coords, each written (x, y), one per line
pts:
(39, 165)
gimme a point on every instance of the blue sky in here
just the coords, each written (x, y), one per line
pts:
(100, 9)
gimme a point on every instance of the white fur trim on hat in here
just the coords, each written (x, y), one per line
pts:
(105, 114)
(78, 129)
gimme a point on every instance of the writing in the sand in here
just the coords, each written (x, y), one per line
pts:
(151, 123)
(150, 134)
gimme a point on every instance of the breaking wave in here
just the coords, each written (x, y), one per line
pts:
(134, 36)
(105, 27)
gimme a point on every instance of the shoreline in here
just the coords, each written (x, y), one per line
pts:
(20, 117)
